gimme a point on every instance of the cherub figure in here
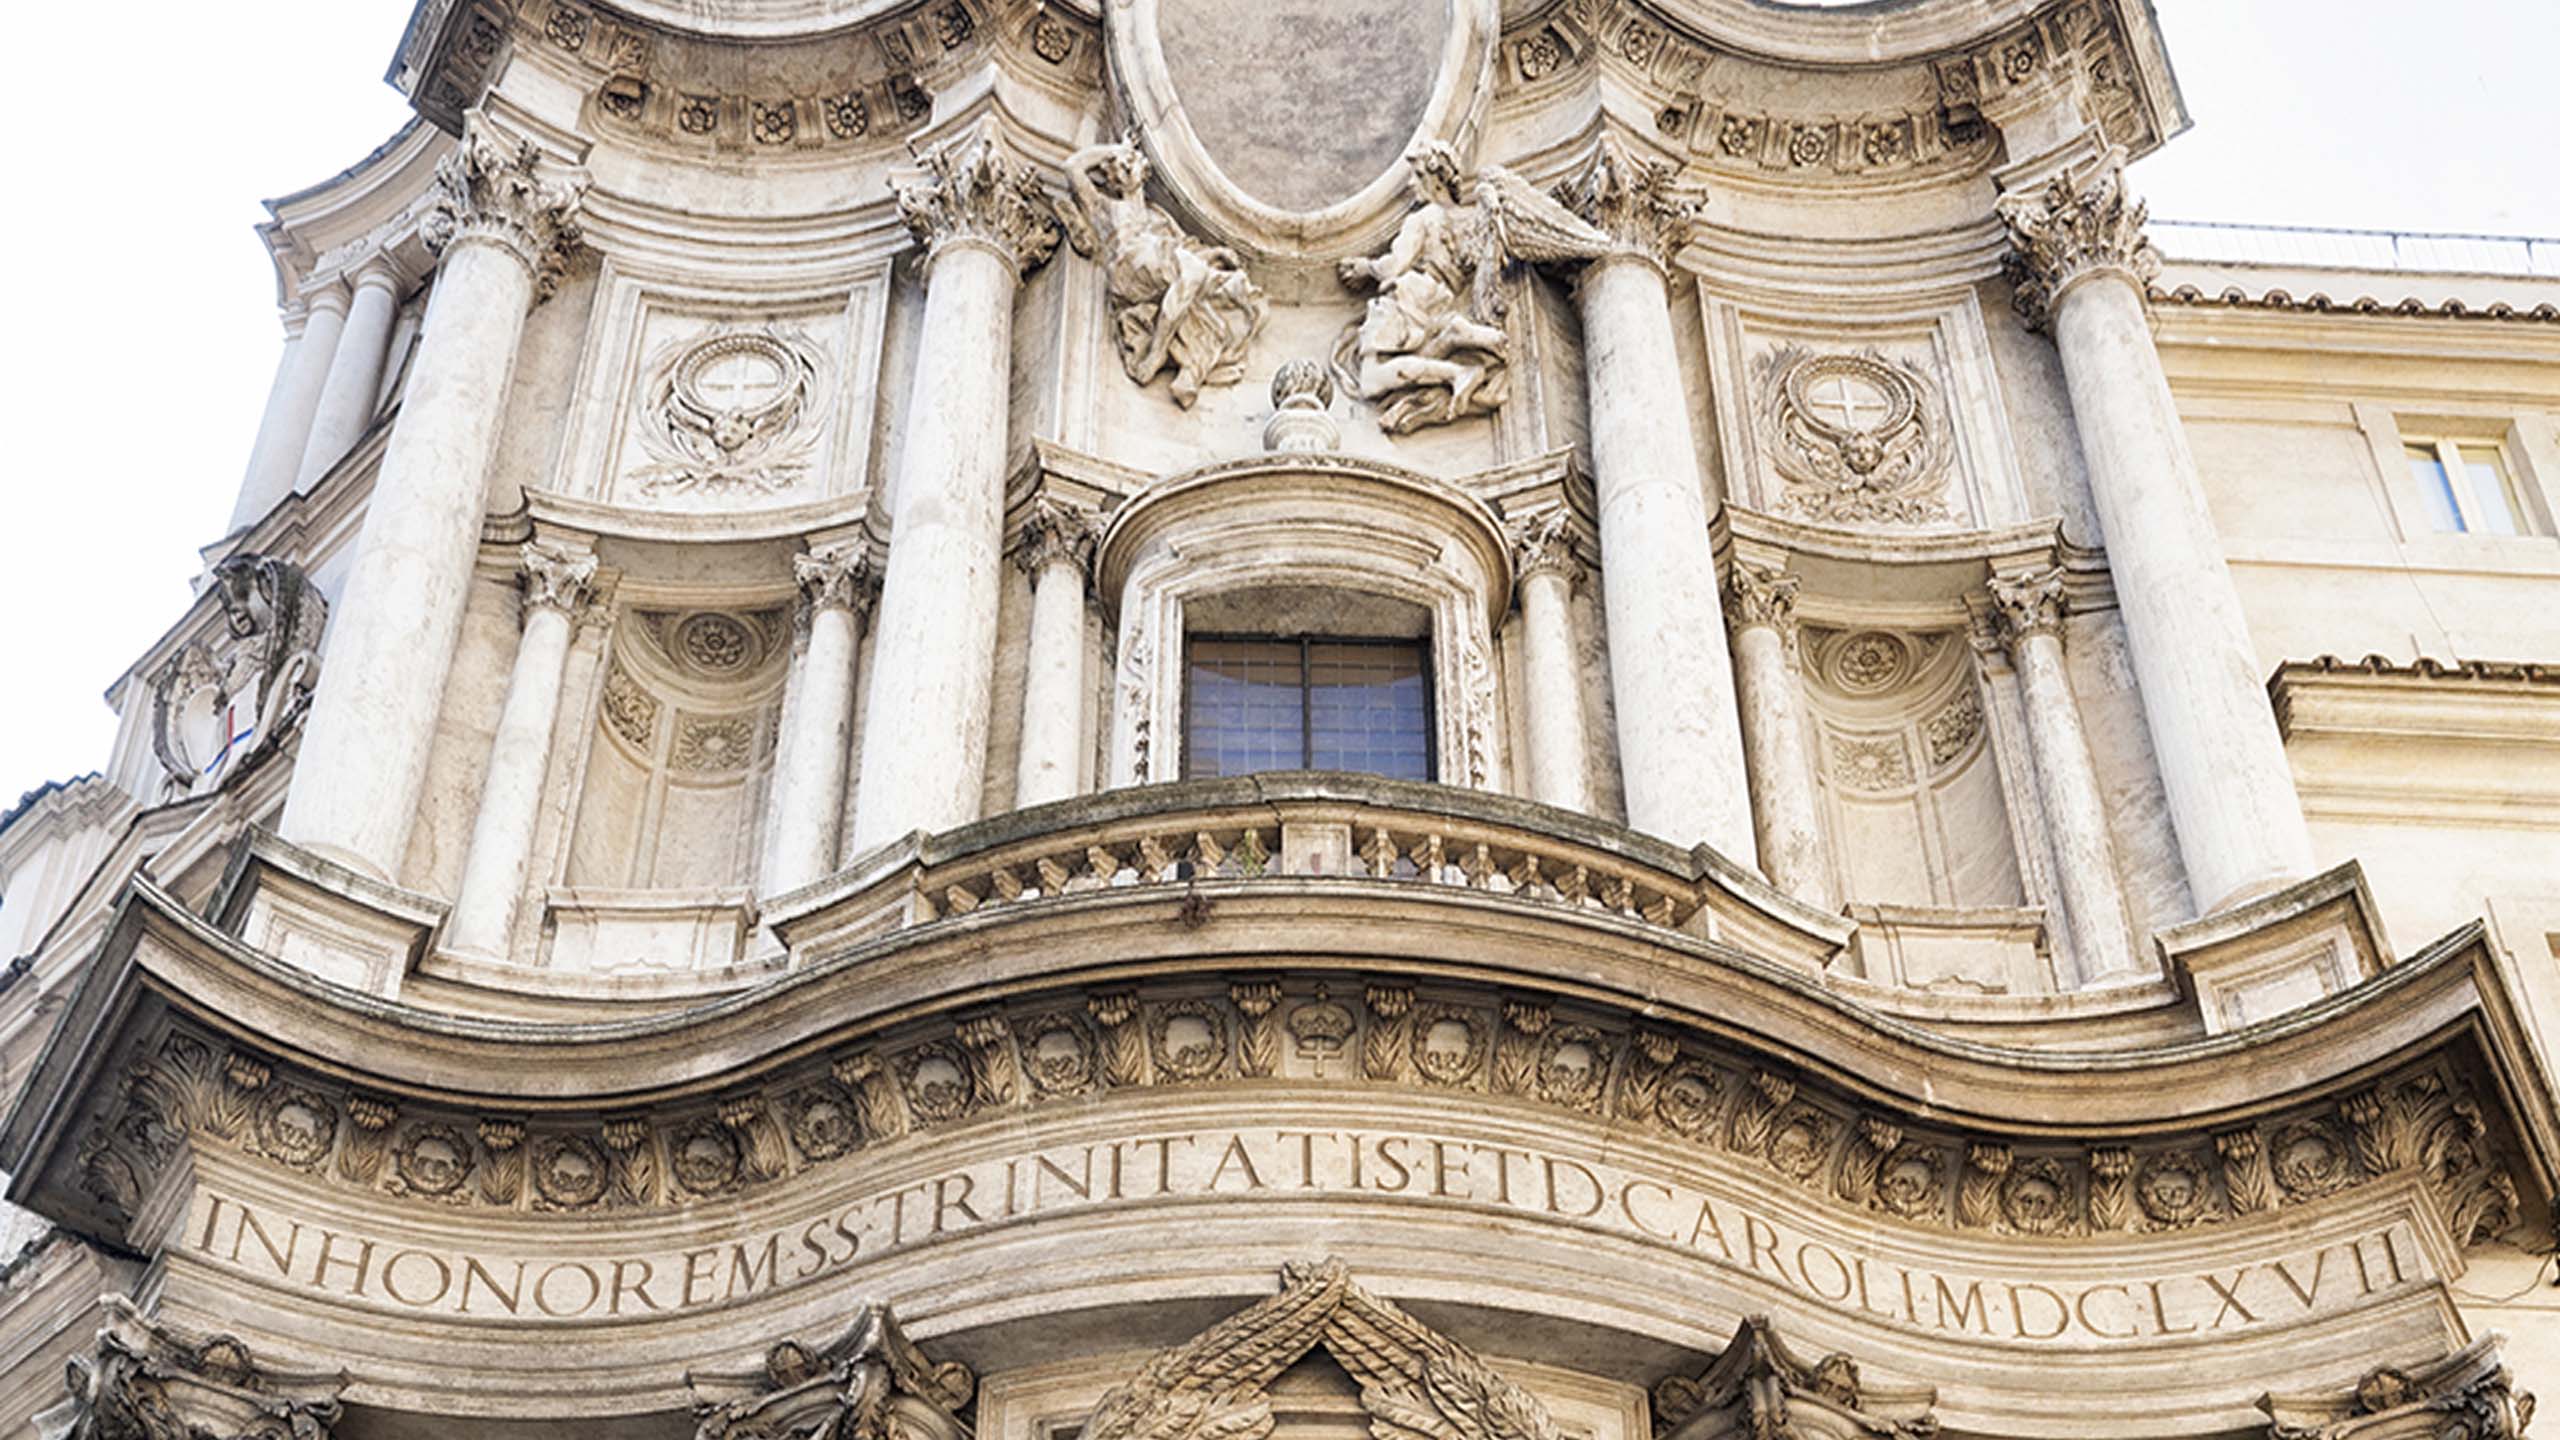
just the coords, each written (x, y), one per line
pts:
(1430, 348)
(1178, 301)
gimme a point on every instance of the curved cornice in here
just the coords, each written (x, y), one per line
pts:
(2443, 1020)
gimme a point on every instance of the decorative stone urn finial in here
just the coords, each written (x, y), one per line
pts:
(1300, 392)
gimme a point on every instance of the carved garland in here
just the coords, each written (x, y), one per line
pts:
(2420, 1120)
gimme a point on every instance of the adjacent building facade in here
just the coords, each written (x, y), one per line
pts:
(1166, 720)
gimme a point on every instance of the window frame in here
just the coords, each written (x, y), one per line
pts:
(1421, 645)
(2449, 450)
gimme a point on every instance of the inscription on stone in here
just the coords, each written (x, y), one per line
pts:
(545, 1283)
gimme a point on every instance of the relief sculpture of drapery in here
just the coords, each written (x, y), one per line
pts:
(1415, 1384)
(1176, 301)
(1431, 347)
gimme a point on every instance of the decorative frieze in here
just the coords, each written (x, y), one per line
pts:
(1531, 1047)
(972, 192)
(490, 191)
(2082, 222)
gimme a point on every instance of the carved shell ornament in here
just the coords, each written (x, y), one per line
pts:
(1858, 438)
(734, 411)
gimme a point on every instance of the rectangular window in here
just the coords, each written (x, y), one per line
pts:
(2464, 487)
(1312, 702)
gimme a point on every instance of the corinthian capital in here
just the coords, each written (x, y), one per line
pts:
(488, 192)
(835, 579)
(2032, 604)
(1756, 595)
(1055, 532)
(1636, 200)
(2081, 223)
(972, 192)
(1543, 545)
(145, 1379)
(556, 578)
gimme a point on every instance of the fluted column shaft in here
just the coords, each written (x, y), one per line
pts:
(556, 587)
(2080, 262)
(1762, 606)
(276, 457)
(984, 222)
(355, 373)
(1057, 548)
(1679, 734)
(1558, 743)
(2030, 616)
(362, 768)
(809, 761)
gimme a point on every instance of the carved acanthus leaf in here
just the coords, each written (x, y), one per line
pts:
(1637, 201)
(1760, 1388)
(489, 190)
(2031, 604)
(871, 1383)
(838, 578)
(1055, 533)
(2083, 221)
(1757, 595)
(972, 192)
(148, 1381)
(555, 578)
(2468, 1394)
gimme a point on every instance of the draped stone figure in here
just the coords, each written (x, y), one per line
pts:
(1430, 348)
(1177, 301)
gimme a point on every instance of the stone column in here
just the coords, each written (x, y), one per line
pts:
(2030, 610)
(1057, 550)
(1679, 735)
(1761, 604)
(504, 235)
(984, 223)
(285, 428)
(557, 585)
(1559, 750)
(2080, 261)
(355, 372)
(809, 760)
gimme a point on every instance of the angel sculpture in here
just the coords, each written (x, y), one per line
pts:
(1430, 348)
(1179, 302)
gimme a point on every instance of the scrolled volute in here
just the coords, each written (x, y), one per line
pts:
(147, 1381)
(2082, 222)
(871, 1383)
(489, 190)
(2468, 1395)
(972, 192)
(1759, 1389)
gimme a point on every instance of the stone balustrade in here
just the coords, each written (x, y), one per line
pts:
(1409, 839)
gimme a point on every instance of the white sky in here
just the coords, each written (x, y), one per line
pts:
(146, 332)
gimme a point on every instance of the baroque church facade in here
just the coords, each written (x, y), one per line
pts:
(1168, 720)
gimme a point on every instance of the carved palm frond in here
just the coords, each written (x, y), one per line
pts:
(1211, 1388)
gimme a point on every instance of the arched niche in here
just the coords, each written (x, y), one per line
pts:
(1345, 547)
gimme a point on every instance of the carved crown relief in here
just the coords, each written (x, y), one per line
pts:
(1414, 1383)
(224, 700)
(1859, 438)
(734, 411)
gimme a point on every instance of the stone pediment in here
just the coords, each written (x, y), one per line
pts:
(1415, 1384)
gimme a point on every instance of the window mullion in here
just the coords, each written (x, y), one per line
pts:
(2458, 481)
(1306, 705)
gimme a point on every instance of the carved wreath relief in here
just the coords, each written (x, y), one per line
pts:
(1858, 438)
(736, 411)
